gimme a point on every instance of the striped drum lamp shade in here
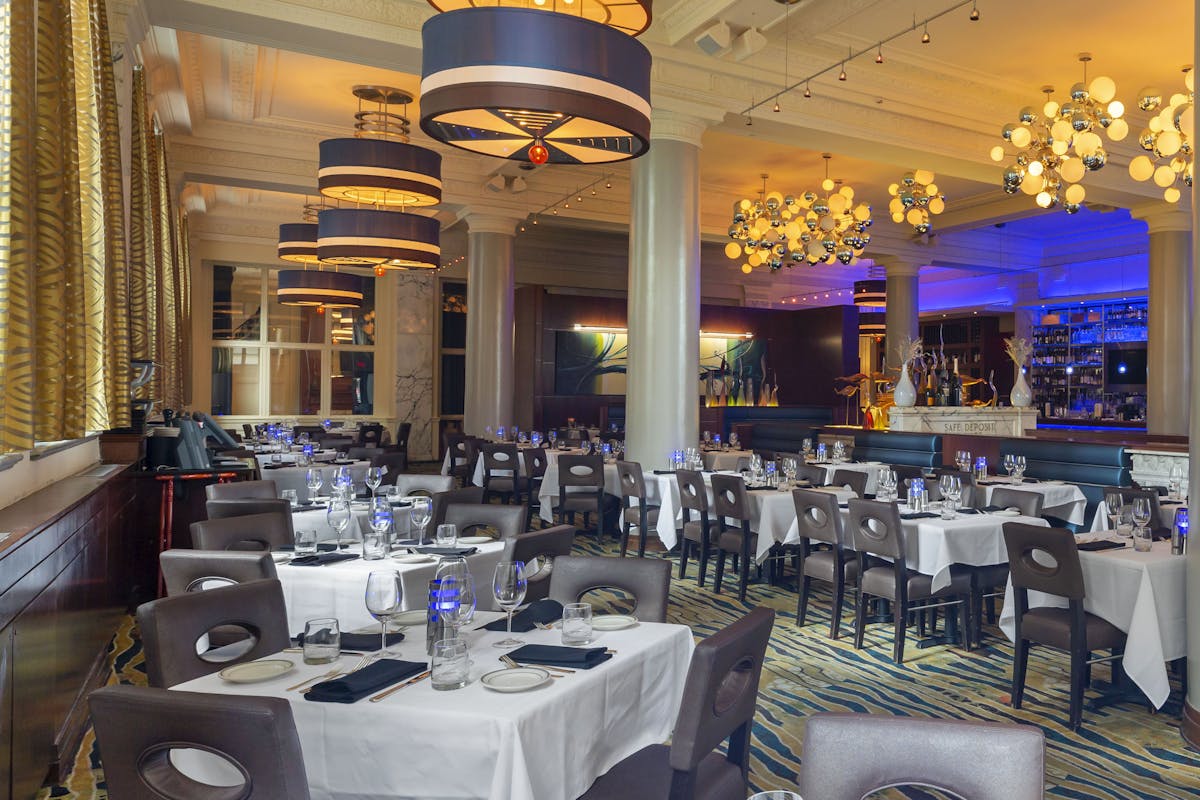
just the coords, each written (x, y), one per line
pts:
(298, 242)
(870, 293)
(380, 172)
(310, 287)
(369, 237)
(872, 323)
(534, 86)
(628, 16)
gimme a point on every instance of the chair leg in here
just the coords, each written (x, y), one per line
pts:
(643, 531)
(802, 600)
(625, 526)
(1020, 662)
(703, 564)
(1117, 666)
(744, 576)
(900, 630)
(1079, 670)
(720, 571)
(684, 547)
(860, 617)
(839, 599)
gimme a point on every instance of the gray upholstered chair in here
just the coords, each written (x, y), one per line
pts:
(242, 490)
(137, 728)
(719, 699)
(812, 473)
(637, 512)
(394, 464)
(442, 501)
(819, 522)
(251, 532)
(976, 760)
(648, 580)
(427, 485)
(730, 502)
(243, 507)
(196, 570)
(1070, 629)
(540, 550)
(482, 519)
(581, 489)
(857, 481)
(1029, 503)
(502, 472)
(876, 530)
(906, 472)
(698, 533)
(172, 626)
(535, 461)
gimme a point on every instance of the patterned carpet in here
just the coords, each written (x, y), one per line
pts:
(1122, 751)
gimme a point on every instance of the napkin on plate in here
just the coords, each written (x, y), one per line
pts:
(920, 515)
(555, 656)
(543, 611)
(447, 551)
(321, 559)
(361, 642)
(368, 680)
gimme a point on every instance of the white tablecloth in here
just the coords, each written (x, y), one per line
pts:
(870, 468)
(548, 493)
(547, 744)
(726, 459)
(1166, 514)
(294, 477)
(477, 475)
(316, 520)
(336, 590)
(1143, 594)
(1062, 500)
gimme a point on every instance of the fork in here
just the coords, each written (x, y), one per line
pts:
(333, 673)
(509, 661)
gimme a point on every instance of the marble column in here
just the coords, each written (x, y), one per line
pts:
(1167, 364)
(903, 305)
(1190, 724)
(490, 283)
(663, 389)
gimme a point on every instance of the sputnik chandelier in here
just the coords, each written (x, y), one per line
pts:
(914, 199)
(777, 230)
(1168, 137)
(1062, 144)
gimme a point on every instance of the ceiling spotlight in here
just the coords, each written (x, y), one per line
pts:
(925, 36)
(807, 91)
(608, 185)
(975, 12)
(749, 121)
(776, 109)
(879, 54)
(579, 198)
(842, 74)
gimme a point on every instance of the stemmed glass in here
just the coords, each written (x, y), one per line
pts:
(420, 512)
(454, 568)
(383, 596)
(381, 517)
(313, 480)
(508, 586)
(1019, 465)
(733, 440)
(1115, 506)
(338, 516)
(1010, 464)
(1141, 512)
(374, 478)
(1175, 482)
(552, 435)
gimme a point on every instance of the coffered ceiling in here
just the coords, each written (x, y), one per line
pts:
(246, 90)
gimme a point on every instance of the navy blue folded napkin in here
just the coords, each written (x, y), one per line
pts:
(1099, 544)
(361, 642)
(969, 511)
(920, 515)
(552, 655)
(664, 472)
(368, 680)
(447, 551)
(321, 559)
(543, 611)
(322, 547)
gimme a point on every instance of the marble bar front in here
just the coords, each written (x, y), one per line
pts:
(964, 420)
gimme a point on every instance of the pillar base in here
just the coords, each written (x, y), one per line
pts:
(1189, 726)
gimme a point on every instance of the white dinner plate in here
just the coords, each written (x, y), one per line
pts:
(519, 679)
(413, 558)
(1052, 482)
(255, 671)
(613, 622)
(1007, 512)
(475, 539)
(407, 619)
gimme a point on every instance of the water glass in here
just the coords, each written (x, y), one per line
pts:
(733, 440)
(313, 480)
(577, 623)
(454, 573)
(450, 666)
(1175, 482)
(290, 496)
(447, 535)
(508, 587)
(981, 468)
(375, 544)
(306, 542)
(806, 447)
(821, 452)
(322, 641)
(1142, 512)
(384, 597)
(339, 516)
(420, 512)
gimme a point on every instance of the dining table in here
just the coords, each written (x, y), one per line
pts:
(548, 743)
(869, 468)
(726, 458)
(1142, 594)
(289, 475)
(552, 455)
(1059, 498)
(548, 491)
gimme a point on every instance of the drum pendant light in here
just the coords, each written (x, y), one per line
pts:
(316, 287)
(528, 85)
(369, 237)
(298, 242)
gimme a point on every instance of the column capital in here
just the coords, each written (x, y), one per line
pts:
(897, 266)
(491, 222)
(1162, 217)
(671, 121)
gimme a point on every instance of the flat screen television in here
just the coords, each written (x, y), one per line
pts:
(1126, 367)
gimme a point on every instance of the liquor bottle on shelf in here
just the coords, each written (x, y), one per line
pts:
(956, 387)
(930, 391)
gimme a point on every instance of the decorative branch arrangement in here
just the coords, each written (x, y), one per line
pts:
(909, 350)
(1019, 350)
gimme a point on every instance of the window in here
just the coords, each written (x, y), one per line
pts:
(270, 359)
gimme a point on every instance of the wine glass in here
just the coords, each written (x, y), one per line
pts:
(381, 515)
(1019, 465)
(1010, 464)
(1114, 506)
(455, 568)
(420, 512)
(313, 480)
(733, 440)
(508, 586)
(1141, 512)
(1175, 481)
(383, 597)
(338, 516)
(374, 478)
(552, 435)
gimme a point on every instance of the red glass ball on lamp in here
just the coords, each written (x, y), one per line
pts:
(538, 154)
(320, 309)
(380, 271)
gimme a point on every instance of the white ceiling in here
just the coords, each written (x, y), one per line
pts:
(245, 92)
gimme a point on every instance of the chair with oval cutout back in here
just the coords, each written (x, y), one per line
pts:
(138, 727)
(697, 533)
(637, 511)
(819, 521)
(730, 502)
(852, 478)
(648, 580)
(270, 531)
(484, 518)
(242, 490)
(539, 550)
(502, 472)
(581, 489)
(535, 461)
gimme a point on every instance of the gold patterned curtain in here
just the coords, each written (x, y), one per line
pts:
(63, 317)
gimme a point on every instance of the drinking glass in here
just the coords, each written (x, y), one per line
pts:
(778, 794)
(733, 440)
(577, 623)
(1010, 464)
(456, 568)
(450, 665)
(306, 542)
(420, 512)
(508, 586)
(1019, 467)
(383, 597)
(338, 516)
(447, 535)
(1175, 482)
(374, 478)
(806, 447)
(1114, 505)
(707, 438)
(1141, 511)
(290, 496)
(322, 641)
(552, 435)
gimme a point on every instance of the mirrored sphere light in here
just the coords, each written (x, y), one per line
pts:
(1149, 98)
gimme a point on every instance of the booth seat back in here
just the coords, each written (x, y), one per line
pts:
(783, 437)
(889, 447)
(1090, 466)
